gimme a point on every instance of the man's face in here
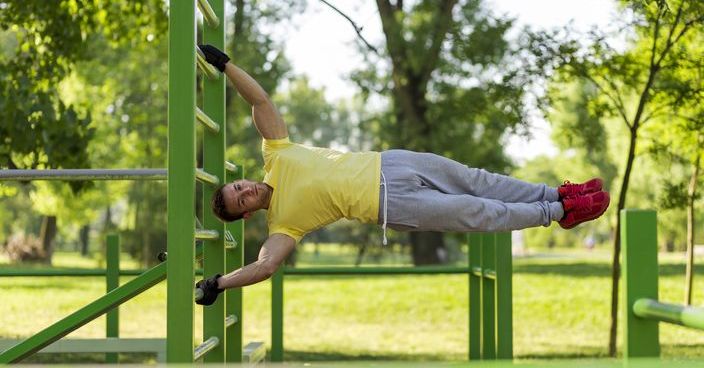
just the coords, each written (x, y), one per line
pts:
(245, 196)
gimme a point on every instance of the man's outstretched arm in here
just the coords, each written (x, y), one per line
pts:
(266, 118)
(272, 254)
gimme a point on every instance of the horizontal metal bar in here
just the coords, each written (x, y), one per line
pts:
(672, 313)
(477, 271)
(205, 177)
(84, 315)
(375, 270)
(202, 234)
(204, 67)
(208, 13)
(205, 347)
(106, 345)
(207, 122)
(490, 274)
(86, 272)
(230, 320)
(83, 174)
(229, 166)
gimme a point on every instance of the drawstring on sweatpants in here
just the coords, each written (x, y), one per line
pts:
(383, 180)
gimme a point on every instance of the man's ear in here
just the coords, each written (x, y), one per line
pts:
(246, 215)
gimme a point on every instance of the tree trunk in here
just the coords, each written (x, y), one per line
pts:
(428, 248)
(616, 266)
(83, 237)
(47, 235)
(691, 196)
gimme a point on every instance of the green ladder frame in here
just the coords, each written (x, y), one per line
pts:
(223, 246)
(640, 308)
(490, 295)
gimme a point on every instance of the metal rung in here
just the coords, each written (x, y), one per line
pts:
(207, 234)
(205, 347)
(207, 121)
(206, 177)
(206, 68)
(230, 320)
(83, 174)
(490, 274)
(477, 271)
(208, 13)
(229, 166)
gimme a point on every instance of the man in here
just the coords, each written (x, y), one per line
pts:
(306, 188)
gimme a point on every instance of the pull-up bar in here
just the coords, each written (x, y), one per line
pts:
(84, 174)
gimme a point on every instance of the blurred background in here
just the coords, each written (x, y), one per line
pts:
(545, 91)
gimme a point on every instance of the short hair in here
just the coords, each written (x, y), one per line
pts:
(217, 203)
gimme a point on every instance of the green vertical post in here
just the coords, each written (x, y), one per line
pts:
(181, 182)
(234, 259)
(504, 308)
(488, 297)
(640, 279)
(475, 296)
(214, 163)
(277, 316)
(112, 280)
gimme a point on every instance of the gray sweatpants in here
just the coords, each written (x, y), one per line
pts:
(427, 192)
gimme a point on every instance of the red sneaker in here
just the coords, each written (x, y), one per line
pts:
(568, 189)
(583, 208)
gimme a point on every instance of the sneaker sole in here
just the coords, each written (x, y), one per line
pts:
(608, 202)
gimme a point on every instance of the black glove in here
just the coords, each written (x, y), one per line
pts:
(214, 56)
(210, 290)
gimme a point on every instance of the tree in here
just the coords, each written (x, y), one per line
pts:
(40, 130)
(453, 90)
(628, 82)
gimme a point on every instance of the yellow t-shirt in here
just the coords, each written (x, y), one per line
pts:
(315, 186)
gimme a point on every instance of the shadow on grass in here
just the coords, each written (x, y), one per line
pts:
(583, 269)
(338, 356)
(88, 358)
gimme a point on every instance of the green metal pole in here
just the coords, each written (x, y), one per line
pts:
(181, 181)
(234, 259)
(277, 316)
(504, 307)
(112, 279)
(671, 313)
(640, 280)
(214, 163)
(475, 297)
(84, 315)
(488, 297)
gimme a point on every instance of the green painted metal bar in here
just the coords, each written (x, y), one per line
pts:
(207, 346)
(230, 320)
(112, 279)
(232, 168)
(475, 297)
(504, 289)
(671, 313)
(488, 258)
(208, 178)
(234, 259)
(208, 13)
(83, 174)
(204, 67)
(201, 234)
(640, 280)
(277, 316)
(180, 324)
(207, 122)
(71, 272)
(424, 270)
(214, 317)
(489, 274)
(84, 315)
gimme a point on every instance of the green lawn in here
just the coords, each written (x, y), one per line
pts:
(561, 309)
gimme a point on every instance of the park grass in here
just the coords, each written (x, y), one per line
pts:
(561, 310)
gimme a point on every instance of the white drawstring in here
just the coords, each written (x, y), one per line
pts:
(383, 179)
